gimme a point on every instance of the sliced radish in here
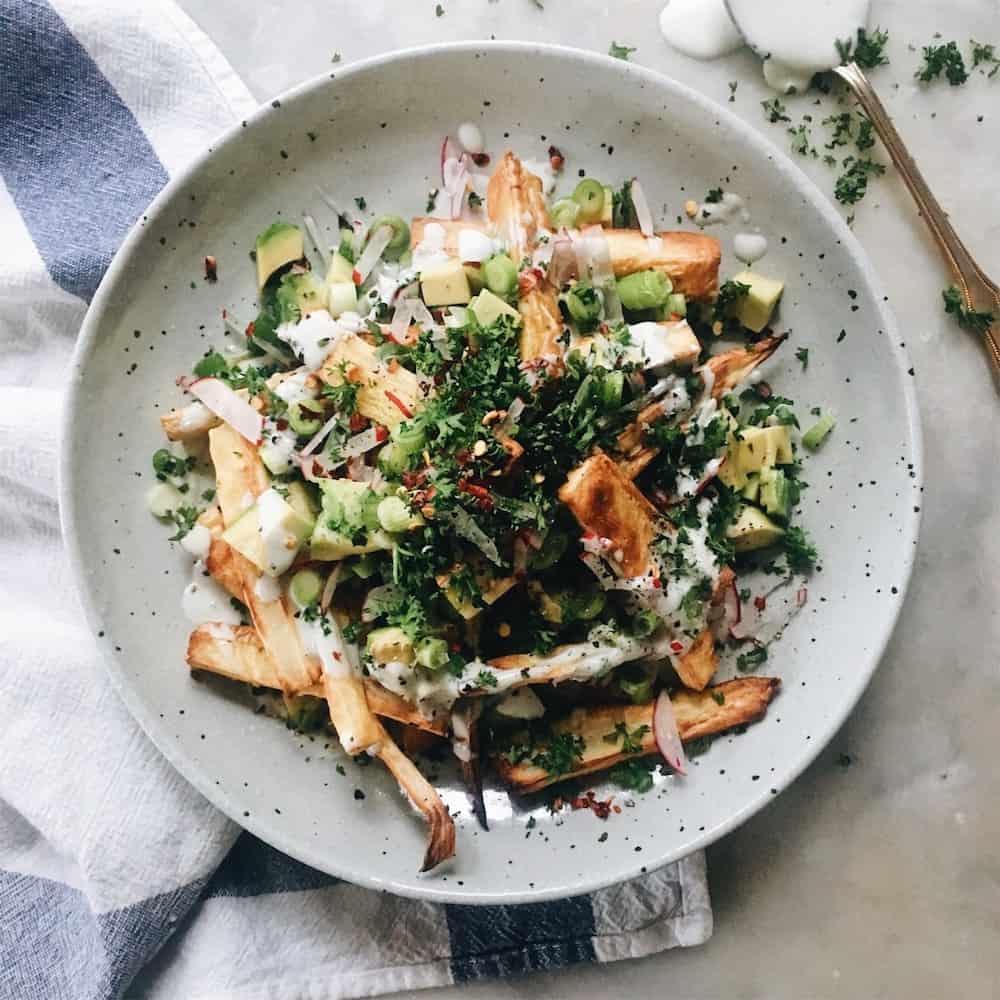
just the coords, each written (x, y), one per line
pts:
(401, 320)
(601, 271)
(642, 212)
(377, 243)
(668, 739)
(225, 403)
(358, 471)
(319, 437)
(563, 263)
(364, 442)
(330, 586)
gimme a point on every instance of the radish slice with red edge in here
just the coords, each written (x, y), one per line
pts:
(225, 403)
(642, 212)
(377, 243)
(668, 739)
(364, 442)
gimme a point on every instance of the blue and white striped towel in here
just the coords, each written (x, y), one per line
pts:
(115, 875)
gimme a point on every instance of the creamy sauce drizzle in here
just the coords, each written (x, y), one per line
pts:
(701, 29)
(204, 600)
(749, 247)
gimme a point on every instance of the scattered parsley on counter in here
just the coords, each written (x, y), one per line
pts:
(801, 141)
(775, 110)
(945, 59)
(852, 184)
(869, 50)
(733, 84)
(985, 55)
(802, 354)
(800, 552)
(621, 51)
(439, 11)
(968, 319)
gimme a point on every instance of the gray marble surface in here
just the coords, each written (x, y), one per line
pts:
(880, 879)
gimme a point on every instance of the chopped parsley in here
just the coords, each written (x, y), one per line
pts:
(714, 196)
(439, 11)
(486, 679)
(866, 134)
(746, 662)
(985, 55)
(184, 518)
(167, 464)
(775, 110)
(733, 84)
(633, 775)
(968, 319)
(730, 292)
(631, 741)
(945, 59)
(361, 203)
(868, 51)
(431, 200)
(802, 355)
(799, 550)
(802, 141)
(621, 51)
(852, 184)
(562, 754)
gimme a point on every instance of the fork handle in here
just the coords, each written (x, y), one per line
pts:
(963, 266)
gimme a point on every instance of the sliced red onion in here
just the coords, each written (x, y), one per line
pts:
(602, 273)
(520, 562)
(358, 472)
(377, 243)
(225, 403)
(642, 212)
(401, 320)
(363, 442)
(313, 230)
(668, 739)
(319, 437)
(330, 586)
(563, 264)
(711, 471)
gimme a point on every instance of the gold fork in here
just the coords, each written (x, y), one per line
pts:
(972, 282)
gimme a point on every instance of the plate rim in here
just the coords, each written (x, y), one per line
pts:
(145, 715)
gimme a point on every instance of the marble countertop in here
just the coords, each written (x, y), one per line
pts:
(881, 878)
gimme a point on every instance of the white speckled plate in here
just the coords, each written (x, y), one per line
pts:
(374, 129)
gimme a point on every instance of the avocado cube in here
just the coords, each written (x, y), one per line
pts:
(753, 529)
(488, 308)
(300, 294)
(348, 522)
(445, 284)
(286, 532)
(390, 645)
(758, 448)
(278, 245)
(754, 310)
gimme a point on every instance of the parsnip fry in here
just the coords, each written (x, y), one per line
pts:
(357, 728)
(189, 422)
(690, 260)
(441, 827)
(705, 713)
(238, 653)
(515, 203)
(542, 324)
(608, 504)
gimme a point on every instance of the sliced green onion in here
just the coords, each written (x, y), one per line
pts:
(500, 275)
(589, 195)
(817, 434)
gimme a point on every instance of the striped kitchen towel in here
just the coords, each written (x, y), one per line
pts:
(116, 877)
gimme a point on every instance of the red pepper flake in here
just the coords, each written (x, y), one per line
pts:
(764, 390)
(393, 365)
(281, 423)
(528, 280)
(480, 159)
(356, 276)
(556, 159)
(657, 583)
(358, 423)
(381, 434)
(760, 603)
(677, 647)
(336, 655)
(481, 493)
(455, 647)
(600, 808)
(411, 480)
(616, 809)
(251, 326)
(399, 404)
(225, 314)
(211, 269)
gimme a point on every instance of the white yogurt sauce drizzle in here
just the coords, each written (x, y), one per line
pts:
(749, 247)
(205, 601)
(795, 38)
(701, 29)
(730, 209)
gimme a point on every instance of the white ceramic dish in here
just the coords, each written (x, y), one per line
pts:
(374, 129)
